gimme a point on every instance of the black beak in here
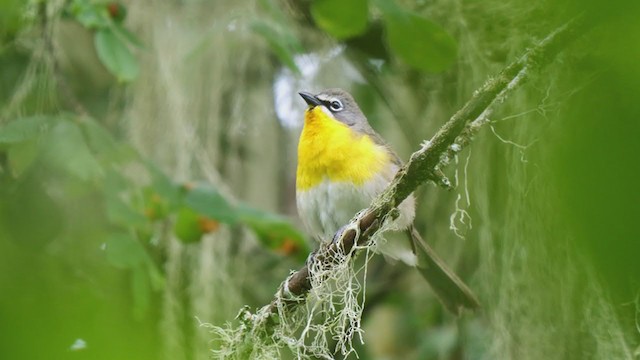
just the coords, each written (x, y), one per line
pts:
(310, 99)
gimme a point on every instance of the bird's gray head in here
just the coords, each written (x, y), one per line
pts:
(340, 105)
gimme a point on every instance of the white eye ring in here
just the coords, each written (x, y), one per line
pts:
(336, 105)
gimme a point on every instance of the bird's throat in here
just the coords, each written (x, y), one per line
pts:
(329, 149)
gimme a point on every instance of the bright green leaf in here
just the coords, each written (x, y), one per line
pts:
(342, 19)
(274, 231)
(187, 226)
(66, 149)
(207, 201)
(115, 55)
(419, 42)
(124, 252)
(24, 129)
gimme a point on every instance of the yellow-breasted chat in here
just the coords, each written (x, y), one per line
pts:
(343, 164)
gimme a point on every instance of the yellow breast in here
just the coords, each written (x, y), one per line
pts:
(330, 149)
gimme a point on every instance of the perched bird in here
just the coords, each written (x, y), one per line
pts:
(343, 164)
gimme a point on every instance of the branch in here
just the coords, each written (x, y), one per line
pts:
(425, 164)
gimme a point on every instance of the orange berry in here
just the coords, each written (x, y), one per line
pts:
(288, 247)
(208, 225)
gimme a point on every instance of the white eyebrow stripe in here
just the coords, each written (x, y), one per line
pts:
(323, 97)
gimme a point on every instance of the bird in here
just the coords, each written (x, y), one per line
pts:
(343, 165)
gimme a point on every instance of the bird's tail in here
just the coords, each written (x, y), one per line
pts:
(452, 292)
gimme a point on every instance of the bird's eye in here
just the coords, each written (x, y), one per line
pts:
(336, 105)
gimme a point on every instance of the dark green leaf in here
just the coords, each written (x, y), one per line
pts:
(123, 251)
(207, 201)
(341, 19)
(274, 231)
(115, 55)
(66, 149)
(24, 129)
(419, 42)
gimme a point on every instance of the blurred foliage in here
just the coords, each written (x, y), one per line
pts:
(416, 40)
(112, 40)
(78, 152)
(277, 30)
(80, 208)
(339, 19)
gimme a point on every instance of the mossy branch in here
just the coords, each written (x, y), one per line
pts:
(425, 164)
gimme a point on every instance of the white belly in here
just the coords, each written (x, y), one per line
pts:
(327, 207)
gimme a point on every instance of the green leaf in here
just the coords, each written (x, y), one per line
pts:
(120, 213)
(275, 232)
(90, 14)
(165, 187)
(187, 226)
(24, 129)
(127, 35)
(115, 55)
(341, 19)
(419, 42)
(66, 149)
(98, 138)
(124, 252)
(104, 144)
(22, 155)
(207, 201)
(282, 43)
